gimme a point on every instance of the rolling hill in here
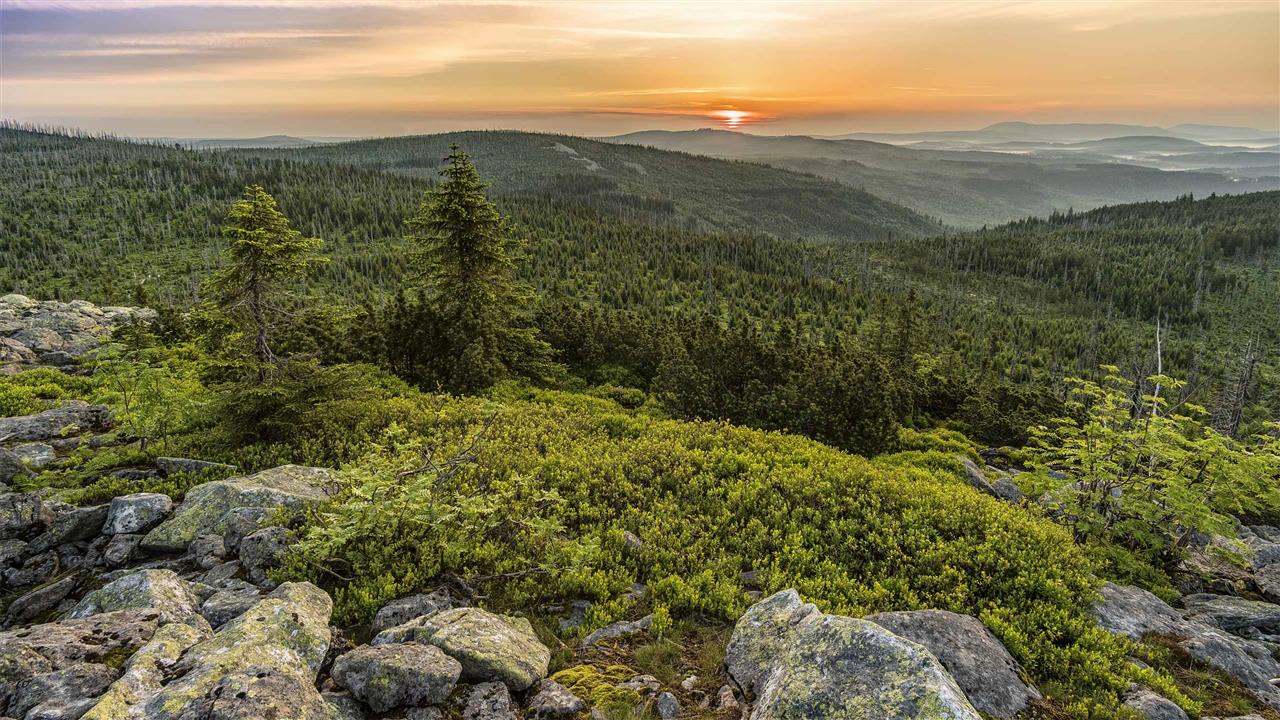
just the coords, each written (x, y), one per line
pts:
(1005, 182)
(645, 184)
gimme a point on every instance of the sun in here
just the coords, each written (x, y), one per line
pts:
(732, 119)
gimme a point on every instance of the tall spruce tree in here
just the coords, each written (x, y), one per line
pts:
(466, 256)
(264, 255)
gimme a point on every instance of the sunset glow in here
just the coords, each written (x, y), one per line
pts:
(389, 66)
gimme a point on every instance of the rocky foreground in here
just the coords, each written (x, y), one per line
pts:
(143, 607)
(34, 332)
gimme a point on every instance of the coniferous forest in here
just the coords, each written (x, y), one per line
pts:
(599, 401)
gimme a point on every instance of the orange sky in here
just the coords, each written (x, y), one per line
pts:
(306, 67)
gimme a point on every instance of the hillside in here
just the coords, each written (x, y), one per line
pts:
(653, 186)
(979, 185)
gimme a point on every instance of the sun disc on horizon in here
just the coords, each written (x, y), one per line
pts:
(732, 119)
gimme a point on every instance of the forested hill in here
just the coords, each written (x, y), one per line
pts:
(661, 187)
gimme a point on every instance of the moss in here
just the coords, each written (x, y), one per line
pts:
(597, 685)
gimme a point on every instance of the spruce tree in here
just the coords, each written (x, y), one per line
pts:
(264, 255)
(466, 256)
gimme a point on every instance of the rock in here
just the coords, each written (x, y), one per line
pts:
(689, 683)
(160, 590)
(1233, 614)
(75, 524)
(223, 571)
(1134, 613)
(264, 550)
(91, 639)
(978, 662)
(619, 629)
(345, 707)
(136, 513)
(667, 706)
(171, 465)
(1151, 706)
(240, 523)
(34, 570)
(390, 676)
(631, 541)
(62, 694)
(72, 419)
(11, 552)
(553, 700)
(18, 664)
(260, 665)
(37, 602)
(35, 455)
(205, 508)
(1268, 580)
(1248, 661)
(435, 713)
(207, 551)
(725, 698)
(489, 646)
(11, 466)
(489, 701)
(642, 685)
(225, 605)
(144, 672)
(398, 612)
(23, 515)
(801, 663)
(120, 549)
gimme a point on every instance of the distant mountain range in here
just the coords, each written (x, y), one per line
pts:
(1004, 132)
(1006, 171)
(266, 141)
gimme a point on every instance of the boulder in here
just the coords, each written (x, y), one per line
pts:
(23, 515)
(206, 506)
(980, 664)
(136, 513)
(120, 549)
(404, 609)
(70, 526)
(553, 700)
(390, 676)
(1248, 661)
(144, 672)
(667, 706)
(1268, 581)
(489, 701)
(622, 628)
(35, 569)
(489, 646)
(1233, 614)
(240, 523)
(91, 639)
(36, 455)
(225, 605)
(801, 663)
(1134, 613)
(260, 665)
(160, 590)
(1151, 706)
(344, 707)
(41, 600)
(171, 465)
(11, 466)
(17, 665)
(62, 694)
(207, 551)
(71, 419)
(263, 551)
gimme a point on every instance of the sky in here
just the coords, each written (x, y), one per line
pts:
(241, 68)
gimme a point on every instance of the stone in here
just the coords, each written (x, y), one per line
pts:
(667, 706)
(207, 551)
(390, 676)
(263, 551)
(144, 672)
(345, 707)
(642, 685)
(979, 663)
(226, 605)
(619, 629)
(35, 569)
(18, 664)
(160, 590)
(404, 609)
(67, 642)
(62, 694)
(223, 571)
(726, 699)
(689, 683)
(136, 513)
(489, 701)
(35, 455)
(1248, 661)
(11, 466)
(553, 700)
(240, 523)
(1268, 581)
(290, 487)
(11, 552)
(1233, 614)
(170, 465)
(489, 646)
(70, 526)
(260, 665)
(120, 549)
(1134, 613)
(801, 663)
(435, 713)
(71, 419)
(1151, 706)
(41, 600)
(23, 515)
